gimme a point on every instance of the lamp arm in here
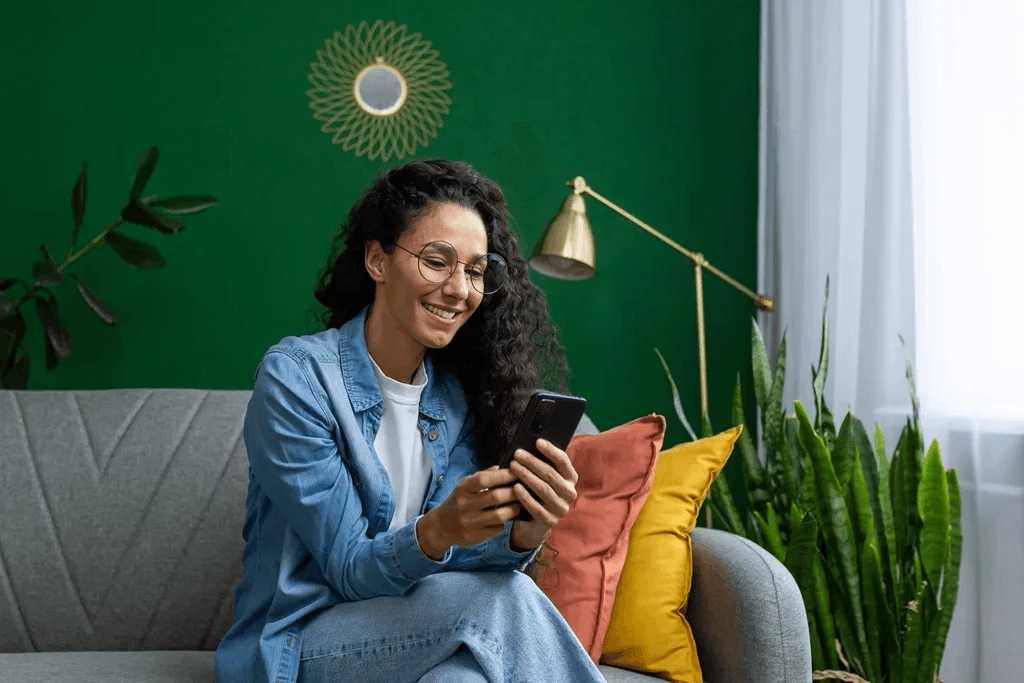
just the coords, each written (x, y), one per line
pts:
(696, 258)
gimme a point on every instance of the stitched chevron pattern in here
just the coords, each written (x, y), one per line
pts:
(120, 518)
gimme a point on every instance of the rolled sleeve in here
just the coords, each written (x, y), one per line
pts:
(500, 552)
(296, 460)
(494, 554)
(409, 557)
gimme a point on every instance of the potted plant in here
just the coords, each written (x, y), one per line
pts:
(873, 541)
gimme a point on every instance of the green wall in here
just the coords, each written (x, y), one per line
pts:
(655, 103)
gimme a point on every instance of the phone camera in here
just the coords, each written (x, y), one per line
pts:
(541, 417)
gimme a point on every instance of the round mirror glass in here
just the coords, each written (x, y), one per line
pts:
(380, 90)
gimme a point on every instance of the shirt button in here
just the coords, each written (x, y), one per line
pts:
(440, 479)
(433, 436)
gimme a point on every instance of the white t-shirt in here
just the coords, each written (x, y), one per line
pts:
(399, 443)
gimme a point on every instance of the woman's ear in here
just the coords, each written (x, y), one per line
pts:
(374, 258)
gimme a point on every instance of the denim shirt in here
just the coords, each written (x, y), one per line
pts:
(320, 502)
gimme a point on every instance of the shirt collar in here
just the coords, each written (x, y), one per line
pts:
(360, 380)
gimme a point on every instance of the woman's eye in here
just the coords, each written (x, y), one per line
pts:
(476, 273)
(437, 264)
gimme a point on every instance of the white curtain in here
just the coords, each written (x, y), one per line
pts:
(891, 158)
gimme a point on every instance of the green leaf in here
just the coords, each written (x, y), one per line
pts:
(770, 530)
(891, 553)
(823, 612)
(869, 470)
(874, 609)
(676, 401)
(912, 639)
(842, 609)
(762, 370)
(820, 373)
(828, 426)
(913, 385)
(936, 642)
(135, 253)
(754, 531)
(753, 474)
(720, 519)
(863, 514)
(47, 273)
(705, 426)
(772, 416)
(52, 359)
(94, 302)
(791, 429)
(17, 376)
(933, 507)
(901, 503)
(842, 456)
(12, 332)
(723, 502)
(836, 524)
(78, 204)
(143, 170)
(184, 205)
(800, 558)
(56, 333)
(910, 464)
(140, 214)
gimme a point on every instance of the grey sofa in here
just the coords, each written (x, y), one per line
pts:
(120, 544)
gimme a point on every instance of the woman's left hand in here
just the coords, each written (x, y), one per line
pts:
(555, 487)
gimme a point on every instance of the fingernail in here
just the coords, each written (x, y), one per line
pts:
(542, 443)
(520, 454)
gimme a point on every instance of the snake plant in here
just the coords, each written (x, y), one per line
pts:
(873, 541)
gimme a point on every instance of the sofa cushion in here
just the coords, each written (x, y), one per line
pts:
(648, 630)
(150, 667)
(107, 667)
(579, 567)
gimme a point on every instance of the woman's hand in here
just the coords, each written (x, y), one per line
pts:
(554, 486)
(475, 511)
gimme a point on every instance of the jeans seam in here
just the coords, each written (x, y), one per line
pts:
(363, 648)
(486, 641)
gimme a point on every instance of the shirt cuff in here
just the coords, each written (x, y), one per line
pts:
(499, 550)
(408, 556)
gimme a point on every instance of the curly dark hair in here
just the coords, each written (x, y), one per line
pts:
(508, 347)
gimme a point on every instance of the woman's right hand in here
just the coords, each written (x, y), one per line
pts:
(475, 511)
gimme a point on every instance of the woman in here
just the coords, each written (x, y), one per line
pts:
(379, 534)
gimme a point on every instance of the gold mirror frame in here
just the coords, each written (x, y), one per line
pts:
(352, 122)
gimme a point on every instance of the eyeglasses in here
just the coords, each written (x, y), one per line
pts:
(438, 261)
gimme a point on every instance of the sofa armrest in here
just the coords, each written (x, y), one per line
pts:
(746, 613)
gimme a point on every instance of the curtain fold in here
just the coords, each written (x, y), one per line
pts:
(891, 150)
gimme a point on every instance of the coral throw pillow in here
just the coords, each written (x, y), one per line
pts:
(579, 569)
(648, 630)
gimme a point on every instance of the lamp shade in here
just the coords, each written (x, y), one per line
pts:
(565, 249)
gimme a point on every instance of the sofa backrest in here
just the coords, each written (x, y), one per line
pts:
(121, 518)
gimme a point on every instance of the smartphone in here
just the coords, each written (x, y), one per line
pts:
(549, 416)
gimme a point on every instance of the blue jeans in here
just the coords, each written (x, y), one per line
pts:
(452, 626)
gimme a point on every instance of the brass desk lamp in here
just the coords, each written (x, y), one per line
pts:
(565, 251)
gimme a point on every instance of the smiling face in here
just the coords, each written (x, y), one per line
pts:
(410, 311)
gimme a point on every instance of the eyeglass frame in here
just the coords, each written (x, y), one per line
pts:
(419, 263)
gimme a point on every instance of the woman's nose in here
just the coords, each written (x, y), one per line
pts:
(458, 284)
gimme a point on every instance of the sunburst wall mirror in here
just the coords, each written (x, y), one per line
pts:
(379, 90)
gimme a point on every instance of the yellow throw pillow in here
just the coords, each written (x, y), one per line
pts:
(648, 631)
